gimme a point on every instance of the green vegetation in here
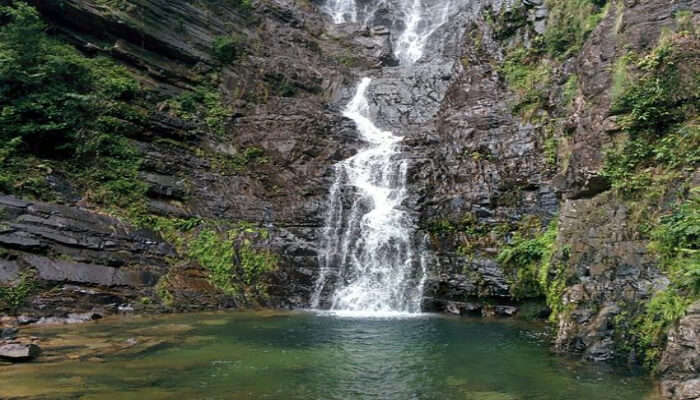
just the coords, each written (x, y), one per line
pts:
(658, 112)
(243, 5)
(527, 258)
(528, 75)
(569, 24)
(469, 234)
(527, 69)
(234, 264)
(203, 104)
(228, 48)
(677, 242)
(232, 257)
(656, 103)
(60, 108)
(13, 296)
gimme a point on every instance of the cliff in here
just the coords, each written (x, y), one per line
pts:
(187, 163)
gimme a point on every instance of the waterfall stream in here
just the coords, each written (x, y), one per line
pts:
(369, 250)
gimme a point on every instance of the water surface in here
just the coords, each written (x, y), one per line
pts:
(307, 356)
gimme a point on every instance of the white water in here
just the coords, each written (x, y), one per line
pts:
(369, 249)
(421, 19)
(370, 244)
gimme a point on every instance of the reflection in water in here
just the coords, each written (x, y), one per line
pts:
(306, 356)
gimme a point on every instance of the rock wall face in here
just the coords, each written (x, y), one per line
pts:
(490, 173)
(270, 165)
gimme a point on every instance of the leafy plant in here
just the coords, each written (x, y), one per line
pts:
(203, 104)
(530, 260)
(569, 24)
(228, 48)
(235, 264)
(13, 296)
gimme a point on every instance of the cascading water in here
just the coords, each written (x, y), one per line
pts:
(375, 251)
(369, 249)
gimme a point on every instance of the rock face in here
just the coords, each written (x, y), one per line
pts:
(680, 365)
(480, 169)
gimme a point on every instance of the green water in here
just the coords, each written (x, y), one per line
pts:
(306, 356)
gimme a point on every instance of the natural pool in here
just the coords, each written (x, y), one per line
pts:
(303, 355)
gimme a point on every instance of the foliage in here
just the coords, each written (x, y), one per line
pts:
(570, 89)
(661, 312)
(59, 106)
(13, 296)
(242, 5)
(52, 97)
(675, 241)
(659, 114)
(527, 74)
(527, 257)
(228, 48)
(235, 264)
(652, 104)
(203, 104)
(569, 24)
(656, 102)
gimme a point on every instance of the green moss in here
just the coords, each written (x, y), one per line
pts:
(570, 90)
(650, 166)
(235, 262)
(528, 75)
(508, 21)
(621, 76)
(163, 292)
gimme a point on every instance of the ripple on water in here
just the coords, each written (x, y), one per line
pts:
(312, 355)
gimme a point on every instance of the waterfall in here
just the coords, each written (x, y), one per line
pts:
(369, 255)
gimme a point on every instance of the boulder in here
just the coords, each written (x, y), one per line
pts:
(16, 352)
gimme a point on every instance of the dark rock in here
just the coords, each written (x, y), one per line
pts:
(26, 319)
(9, 271)
(63, 271)
(507, 311)
(680, 365)
(15, 352)
(8, 333)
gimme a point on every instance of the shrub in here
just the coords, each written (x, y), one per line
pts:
(658, 111)
(527, 257)
(569, 24)
(59, 105)
(203, 104)
(235, 264)
(228, 48)
(13, 296)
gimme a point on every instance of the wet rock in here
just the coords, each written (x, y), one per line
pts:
(506, 311)
(462, 308)
(15, 352)
(8, 333)
(680, 365)
(63, 271)
(26, 319)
